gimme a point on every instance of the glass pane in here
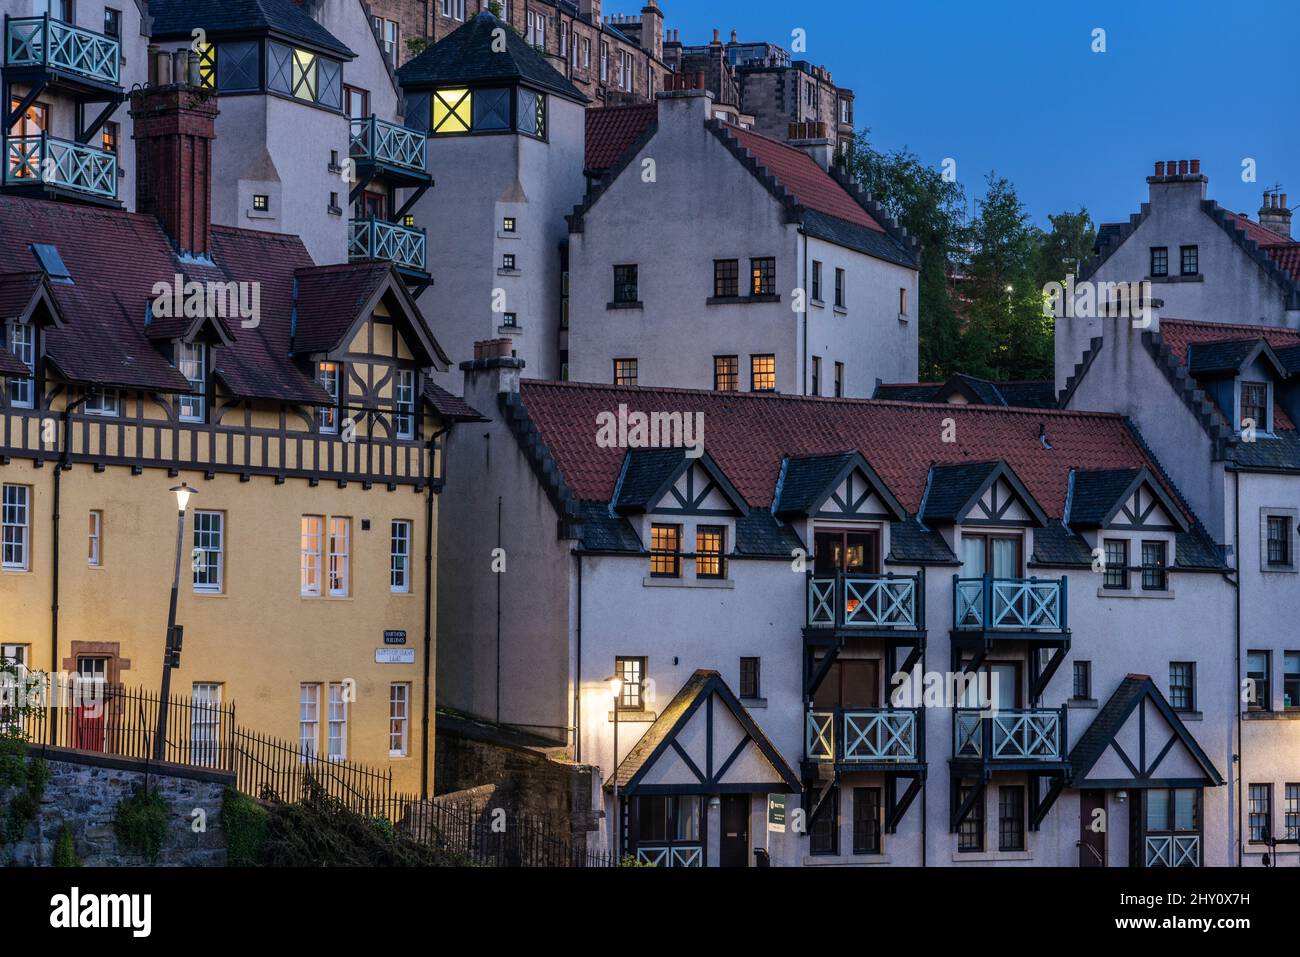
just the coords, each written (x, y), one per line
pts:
(861, 552)
(826, 545)
(688, 818)
(861, 688)
(1005, 554)
(1185, 810)
(1002, 687)
(972, 557)
(1158, 810)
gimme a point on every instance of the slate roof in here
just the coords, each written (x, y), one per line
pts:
(645, 473)
(9, 365)
(17, 290)
(912, 544)
(1096, 492)
(907, 391)
(177, 18)
(450, 407)
(1220, 358)
(805, 479)
(952, 487)
(466, 56)
(1024, 394)
(611, 131)
(329, 300)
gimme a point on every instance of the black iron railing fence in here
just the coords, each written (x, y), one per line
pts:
(104, 718)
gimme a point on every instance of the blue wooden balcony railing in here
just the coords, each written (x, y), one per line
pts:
(1019, 734)
(47, 42)
(859, 600)
(376, 141)
(1009, 604)
(864, 735)
(63, 163)
(373, 238)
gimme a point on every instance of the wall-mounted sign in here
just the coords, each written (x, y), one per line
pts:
(395, 637)
(394, 656)
(776, 812)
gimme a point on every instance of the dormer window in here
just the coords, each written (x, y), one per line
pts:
(192, 362)
(22, 346)
(327, 374)
(1255, 405)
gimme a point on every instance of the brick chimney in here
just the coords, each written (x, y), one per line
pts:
(1178, 179)
(652, 29)
(811, 137)
(1275, 215)
(174, 129)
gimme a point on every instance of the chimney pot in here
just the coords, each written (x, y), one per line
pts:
(1160, 169)
(492, 349)
(1182, 167)
(1196, 167)
(1281, 204)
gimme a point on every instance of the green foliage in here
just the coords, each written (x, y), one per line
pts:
(630, 861)
(28, 779)
(417, 45)
(141, 823)
(65, 852)
(244, 822)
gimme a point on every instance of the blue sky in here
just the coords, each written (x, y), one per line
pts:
(1013, 85)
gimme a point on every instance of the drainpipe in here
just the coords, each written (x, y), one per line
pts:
(577, 669)
(498, 578)
(807, 291)
(428, 608)
(1236, 682)
(65, 462)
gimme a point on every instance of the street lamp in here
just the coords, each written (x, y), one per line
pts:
(615, 689)
(172, 647)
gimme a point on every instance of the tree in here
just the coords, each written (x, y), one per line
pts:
(1064, 248)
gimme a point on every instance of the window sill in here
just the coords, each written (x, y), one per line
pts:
(819, 303)
(1133, 593)
(844, 860)
(990, 857)
(251, 214)
(1195, 277)
(1083, 703)
(904, 317)
(754, 702)
(1293, 715)
(841, 310)
(334, 210)
(505, 235)
(638, 716)
(510, 272)
(1189, 715)
(334, 169)
(741, 300)
(651, 582)
(209, 594)
(510, 330)
(1278, 569)
(625, 305)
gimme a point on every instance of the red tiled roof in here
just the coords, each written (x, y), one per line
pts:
(1181, 334)
(1283, 250)
(798, 172)
(611, 131)
(748, 435)
(1259, 234)
(1288, 257)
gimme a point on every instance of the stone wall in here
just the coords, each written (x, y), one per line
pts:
(84, 792)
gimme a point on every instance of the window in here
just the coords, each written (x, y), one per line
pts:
(390, 33)
(564, 40)
(669, 818)
(1190, 260)
(1291, 680)
(261, 203)
(313, 527)
(327, 374)
(337, 747)
(22, 346)
(1011, 817)
(1255, 405)
(101, 402)
(309, 719)
(510, 320)
(1182, 685)
(508, 261)
(94, 556)
(710, 551)
(453, 111)
(840, 292)
(209, 550)
(624, 372)
(625, 66)
(665, 551)
(508, 224)
(356, 103)
(839, 380)
(816, 375)
(207, 64)
(816, 281)
(586, 53)
(631, 671)
(750, 675)
(1259, 695)
(726, 278)
(399, 576)
(205, 723)
(1159, 261)
(762, 273)
(970, 833)
(192, 362)
(404, 400)
(625, 284)
(536, 32)
(762, 373)
(726, 373)
(1279, 541)
(14, 655)
(112, 23)
(902, 301)
(867, 815)
(455, 9)
(1261, 812)
(1082, 681)
(824, 828)
(399, 719)
(340, 540)
(15, 525)
(604, 62)
(1115, 574)
(1155, 577)
(1291, 820)
(110, 137)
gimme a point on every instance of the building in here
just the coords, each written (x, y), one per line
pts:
(145, 350)
(66, 71)
(962, 389)
(709, 256)
(761, 578)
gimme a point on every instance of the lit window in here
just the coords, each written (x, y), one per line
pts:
(408, 221)
(337, 746)
(902, 301)
(508, 224)
(261, 203)
(94, 556)
(207, 56)
(339, 545)
(304, 75)
(1155, 577)
(762, 373)
(631, 671)
(400, 558)
(15, 525)
(309, 719)
(666, 551)
(710, 551)
(508, 261)
(510, 320)
(625, 371)
(22, 346)
(312, 529)
(192, 361)
(726, 373)
(209, 551)
(109, 138)
(405, 403)
(762, 280)
(1292, 812)
(399, 719)
(327, 374)
(452, 111)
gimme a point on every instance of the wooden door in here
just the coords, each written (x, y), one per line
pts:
(734, 847)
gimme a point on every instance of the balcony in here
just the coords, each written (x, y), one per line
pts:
(379, 143)
(404, 246)
(47, 163)
(853, 601)
(1019, 735)
(1173, 850)
(1009, 604)
(865, 736)
(44, 43)
(677, 855)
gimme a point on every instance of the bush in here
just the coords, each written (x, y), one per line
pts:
(244, 821)
(30, 778)
(141, 823)
(65, 852)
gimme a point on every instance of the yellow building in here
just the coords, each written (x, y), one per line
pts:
(142, 351)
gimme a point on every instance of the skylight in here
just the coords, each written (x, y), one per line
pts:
(50, 260)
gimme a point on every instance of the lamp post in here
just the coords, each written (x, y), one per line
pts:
(616, 689)
(172, 647)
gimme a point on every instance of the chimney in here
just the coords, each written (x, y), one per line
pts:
(812, 139)
(652, 29)
(1274, 214)
(174, 129)
(590, 10)
(1182, 178)
(492, 371)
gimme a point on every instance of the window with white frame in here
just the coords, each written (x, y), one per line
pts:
(586, 53)
(313, 531)
(95, 552)
(399, 719)
(564, 39)
(454, 9)
(22, 345)
(192, 361)
(339, 543)
(327, 374)
(400, 562)
(536, 33)
(337, 744)
(15, 526)
(205, 724)
(604, 62)
(309, 719)
(102, 402)
(209, 550)
(404, 398)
